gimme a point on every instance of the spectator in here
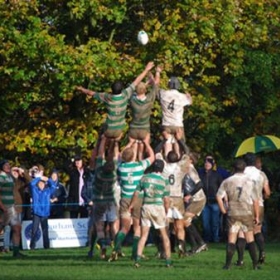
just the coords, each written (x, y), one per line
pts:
(42, 189)
(223, 219)
(211, 181)
(57, 207)
(78, 175)
(87, 195)
(34, 172)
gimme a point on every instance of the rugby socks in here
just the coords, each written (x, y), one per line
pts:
(119, 240)
(103, 242)
(90, 236)
(253, 252)
(94, 243)
(191, 237)
(168, 262)
(173, 241)
(135, 246)
(230, 253)
(240, 246)
(93, 239)
(197, 236)
(137, 260)
(259, 239)
(15, 250)
(158, 243)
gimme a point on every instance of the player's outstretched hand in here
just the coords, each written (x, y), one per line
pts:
(150, 66)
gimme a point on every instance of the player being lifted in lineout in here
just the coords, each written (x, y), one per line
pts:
(172, 103)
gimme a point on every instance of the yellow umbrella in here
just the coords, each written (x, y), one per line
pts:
(257, 144)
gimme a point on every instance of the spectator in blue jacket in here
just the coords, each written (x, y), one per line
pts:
(42, 188)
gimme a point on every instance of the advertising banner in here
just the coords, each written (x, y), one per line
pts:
(63, 233)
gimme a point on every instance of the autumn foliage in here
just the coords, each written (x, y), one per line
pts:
(225, 52)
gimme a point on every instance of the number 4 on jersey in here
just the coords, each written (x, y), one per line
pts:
(171, 105)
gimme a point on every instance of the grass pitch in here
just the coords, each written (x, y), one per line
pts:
(71, 264)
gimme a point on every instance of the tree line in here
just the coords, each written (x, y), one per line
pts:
(226, 54)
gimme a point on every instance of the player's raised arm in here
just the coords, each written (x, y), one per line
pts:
(189, 97)
(157, 76)
(148, 67)
(85, 91)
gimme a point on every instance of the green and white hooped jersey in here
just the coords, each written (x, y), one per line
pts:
(6, 189)
(130, 174)
(141, 110)
(116, 107)
(155, 188)
(104, 184)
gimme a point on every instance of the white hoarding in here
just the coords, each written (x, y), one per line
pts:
(63, 233)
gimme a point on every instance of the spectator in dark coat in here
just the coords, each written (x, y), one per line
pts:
(211, 181)
(57, 207)
(78, 175)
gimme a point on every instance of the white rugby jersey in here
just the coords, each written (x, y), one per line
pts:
(172, 103)
(240, 192)
(255, 175)
(174, 174)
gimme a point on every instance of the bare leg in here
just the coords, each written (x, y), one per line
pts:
(141, 244)
(140, 151)
(136, 236)
(180, 233)
(166, 245)
(113, 229)
(168, 144)
(176, 149)
(130, 142)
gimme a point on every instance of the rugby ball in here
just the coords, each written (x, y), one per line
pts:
(142, 37)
